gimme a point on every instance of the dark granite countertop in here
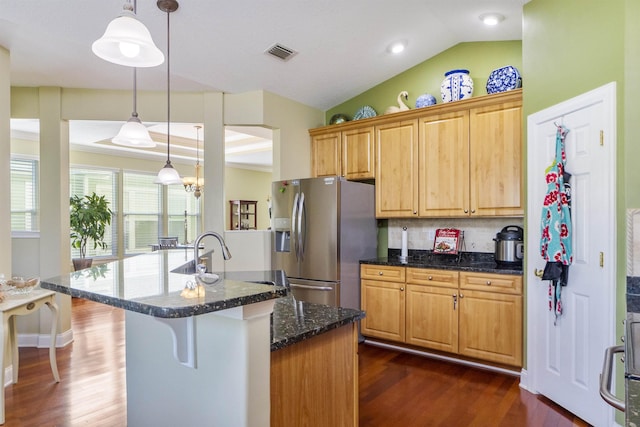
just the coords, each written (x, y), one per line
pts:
(146, 284)
(467, 261)
(633, 294)
(294, 321)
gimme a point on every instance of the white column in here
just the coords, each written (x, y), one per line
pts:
(5, 155)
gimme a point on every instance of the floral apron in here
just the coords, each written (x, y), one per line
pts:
(555, 244)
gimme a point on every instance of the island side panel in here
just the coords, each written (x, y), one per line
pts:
(228, 387)
(315, 382)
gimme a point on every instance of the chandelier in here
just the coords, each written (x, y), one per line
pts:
(194, 184)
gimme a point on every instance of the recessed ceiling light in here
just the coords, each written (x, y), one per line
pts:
(397, 47)
(491, 18)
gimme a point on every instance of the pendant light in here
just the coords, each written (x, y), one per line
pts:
(168, 175)
(194, 184)
(126, 41)
(134, 133)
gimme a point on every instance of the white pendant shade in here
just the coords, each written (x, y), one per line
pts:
(134, 134)
(168, 175)
(127, 41)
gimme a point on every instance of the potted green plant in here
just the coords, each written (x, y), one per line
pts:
(89, 217)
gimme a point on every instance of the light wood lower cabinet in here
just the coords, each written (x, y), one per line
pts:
(490, 317)
(473, 314)
(315, 382)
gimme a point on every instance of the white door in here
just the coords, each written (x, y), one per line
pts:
(565, 358)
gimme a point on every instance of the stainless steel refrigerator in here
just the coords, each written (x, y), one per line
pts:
(321, 228)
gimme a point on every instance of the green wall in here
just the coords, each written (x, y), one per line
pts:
(480, 58)
(571, 47)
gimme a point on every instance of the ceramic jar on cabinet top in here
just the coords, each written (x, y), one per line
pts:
(457, 85)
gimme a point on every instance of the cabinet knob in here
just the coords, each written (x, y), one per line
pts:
(466, 211)
(402, 289)
(473, 211)
(430, 278)
(461, 295)
(488, 282)
(415, 212)
(380, 273)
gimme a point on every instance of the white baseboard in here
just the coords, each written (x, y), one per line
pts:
(43, 340)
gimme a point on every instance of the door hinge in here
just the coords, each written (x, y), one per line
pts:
(601, 259)
(601, 138)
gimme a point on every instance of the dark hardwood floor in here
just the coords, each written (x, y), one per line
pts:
(396, 389)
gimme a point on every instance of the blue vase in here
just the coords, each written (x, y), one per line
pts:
(425, 100)
(457, 85)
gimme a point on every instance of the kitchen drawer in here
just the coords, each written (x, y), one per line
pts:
(425, 276)
(502, 283)
(387, 273)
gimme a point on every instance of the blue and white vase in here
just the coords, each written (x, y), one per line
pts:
(457, 85)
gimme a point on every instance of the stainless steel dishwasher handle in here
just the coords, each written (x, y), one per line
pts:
(606, 376)
(317, 288)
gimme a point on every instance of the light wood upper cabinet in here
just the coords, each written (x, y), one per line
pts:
(444, 165)
(325, 154)
(397, 169)
(349, 153)
(358, 153)
(495, 141)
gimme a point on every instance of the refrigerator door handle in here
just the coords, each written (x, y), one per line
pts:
(293, 224)
(315, 288)
(301, 229)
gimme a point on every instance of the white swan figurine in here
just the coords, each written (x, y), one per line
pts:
(401, 105)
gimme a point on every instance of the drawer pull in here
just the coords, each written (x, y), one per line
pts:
(31, 305)
(380, 273)
(430, 277)
(488, 282)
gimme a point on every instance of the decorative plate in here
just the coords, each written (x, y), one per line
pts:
(504, 79)
(364, 113)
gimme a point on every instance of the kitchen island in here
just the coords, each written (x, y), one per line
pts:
(203, 360)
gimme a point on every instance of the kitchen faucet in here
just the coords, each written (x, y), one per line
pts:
(196, 246)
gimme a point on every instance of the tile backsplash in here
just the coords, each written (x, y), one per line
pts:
(478, 232)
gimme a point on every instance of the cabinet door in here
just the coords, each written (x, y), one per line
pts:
(383, 303)
(325, 154)
(496, 160)
(444, 165)
(358, 153)
(432, 317)
(397, 169)
(491, 326)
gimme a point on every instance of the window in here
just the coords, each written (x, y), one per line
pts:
(142, 212)
(183, 213)
(103, 183)
(24, 195)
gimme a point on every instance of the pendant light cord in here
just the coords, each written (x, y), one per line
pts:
(168, 90)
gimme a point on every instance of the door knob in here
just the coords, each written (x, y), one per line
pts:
(538, 273)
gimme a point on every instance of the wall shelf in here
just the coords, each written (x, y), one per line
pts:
(244, 215)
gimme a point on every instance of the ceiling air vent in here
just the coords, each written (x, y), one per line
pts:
(281, 52)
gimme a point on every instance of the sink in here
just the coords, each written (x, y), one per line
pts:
(209, 278)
